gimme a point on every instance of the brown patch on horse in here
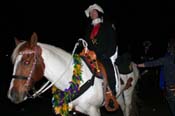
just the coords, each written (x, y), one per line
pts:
(128, 83)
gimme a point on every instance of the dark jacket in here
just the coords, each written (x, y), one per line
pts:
(106, 40)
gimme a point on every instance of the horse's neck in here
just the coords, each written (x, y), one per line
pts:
(57, 65)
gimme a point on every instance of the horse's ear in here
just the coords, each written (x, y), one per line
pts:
(34, 39)
(17, 41)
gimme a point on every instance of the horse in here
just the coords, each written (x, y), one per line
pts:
(34, 60)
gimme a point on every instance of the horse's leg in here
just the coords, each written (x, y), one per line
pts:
(128, 100)
(89, 110)
(128, 94)
(121, 102)
(94, 111)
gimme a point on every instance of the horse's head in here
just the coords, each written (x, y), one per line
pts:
(28, 69)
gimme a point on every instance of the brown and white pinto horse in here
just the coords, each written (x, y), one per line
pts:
(34, 60)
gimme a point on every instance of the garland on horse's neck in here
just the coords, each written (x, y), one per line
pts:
(60, 98)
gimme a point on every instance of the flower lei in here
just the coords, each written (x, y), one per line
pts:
(60, 98)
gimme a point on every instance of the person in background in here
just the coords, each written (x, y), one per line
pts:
(101, 38)
(168, 66)
(161, 79)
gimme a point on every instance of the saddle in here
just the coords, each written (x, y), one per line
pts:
(97, 68)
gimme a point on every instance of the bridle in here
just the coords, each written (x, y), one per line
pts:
(29, 77)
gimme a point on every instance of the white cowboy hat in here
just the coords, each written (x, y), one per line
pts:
(91, 7)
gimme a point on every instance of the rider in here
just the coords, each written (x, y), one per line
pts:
(101, 38)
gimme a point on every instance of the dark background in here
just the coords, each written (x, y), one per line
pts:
(61, 23)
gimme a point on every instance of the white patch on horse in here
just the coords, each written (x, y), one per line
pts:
(10, 88)
(18, 59)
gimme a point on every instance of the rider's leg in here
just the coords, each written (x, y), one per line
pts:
(110, 74)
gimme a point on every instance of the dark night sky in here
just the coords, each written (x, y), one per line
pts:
(58, 22)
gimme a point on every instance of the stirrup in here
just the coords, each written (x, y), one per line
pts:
(109, 97)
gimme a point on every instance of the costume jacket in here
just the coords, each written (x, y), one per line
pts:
(105, 40)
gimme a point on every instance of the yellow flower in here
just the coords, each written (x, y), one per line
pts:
(78, 82)
(65, 107)
(54, 89)
(57, 110)
(78, 66)
(56, 97)
(75, 72)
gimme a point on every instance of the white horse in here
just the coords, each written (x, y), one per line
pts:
(33, 60)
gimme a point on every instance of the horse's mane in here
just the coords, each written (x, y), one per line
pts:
(53, 49)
